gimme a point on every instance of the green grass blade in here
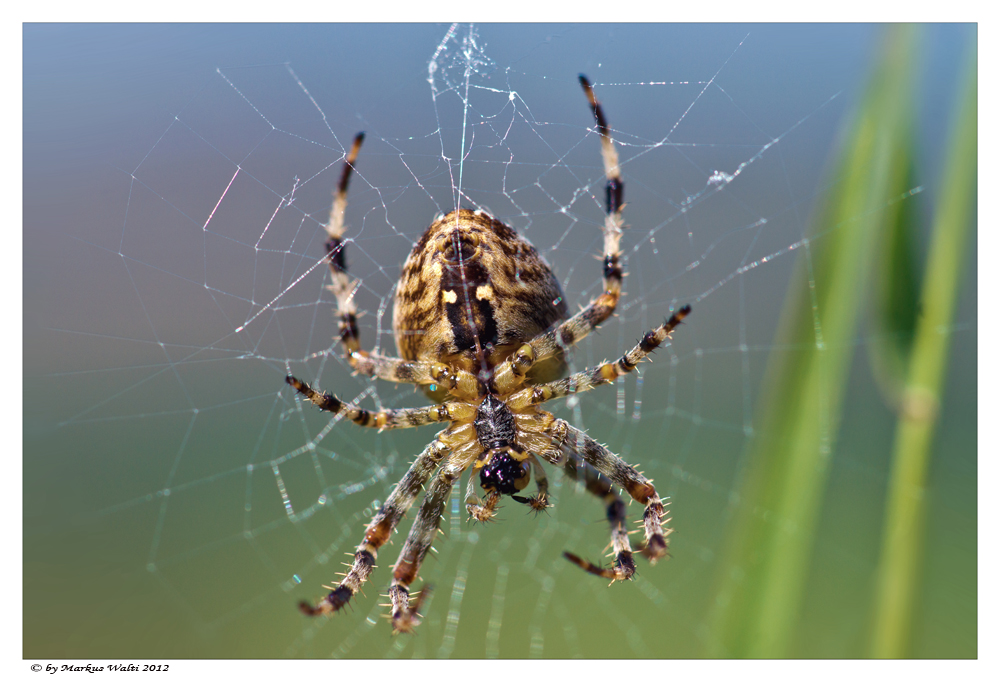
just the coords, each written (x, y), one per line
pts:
(896, 293)
(905, 512)
(768, 551)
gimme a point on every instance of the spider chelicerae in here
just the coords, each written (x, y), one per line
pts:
(481, 325)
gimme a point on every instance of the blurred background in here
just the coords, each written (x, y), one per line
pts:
(814, 421)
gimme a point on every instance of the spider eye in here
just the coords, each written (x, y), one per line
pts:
(505, 474)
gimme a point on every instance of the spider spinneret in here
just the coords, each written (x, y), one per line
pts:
(481, 325)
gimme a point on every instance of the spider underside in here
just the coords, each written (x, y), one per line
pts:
(481, 325)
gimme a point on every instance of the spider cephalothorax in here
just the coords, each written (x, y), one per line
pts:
(480, 324)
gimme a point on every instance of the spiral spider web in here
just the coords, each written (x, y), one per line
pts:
(200, 489)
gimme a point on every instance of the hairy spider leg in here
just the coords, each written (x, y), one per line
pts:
(605, 373)
(425, 527)
(599, 485)
(614, 197)
(510, 374)
(623, 475)
(380, 528)
(384, 419)
(628, 479)
(457, 381)
(341, 285)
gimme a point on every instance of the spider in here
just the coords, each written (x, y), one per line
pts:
(481, 325)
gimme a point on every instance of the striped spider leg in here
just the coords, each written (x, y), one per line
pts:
(454, 380)
(425, 527)
(384, 419)
(379, 530)
(561, 338)
(599, 485)
(639, 488)
(602, 459)
(583, 458)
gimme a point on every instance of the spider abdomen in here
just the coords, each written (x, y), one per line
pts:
(473, 283)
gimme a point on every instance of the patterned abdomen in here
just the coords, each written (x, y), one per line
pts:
(472, 281)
